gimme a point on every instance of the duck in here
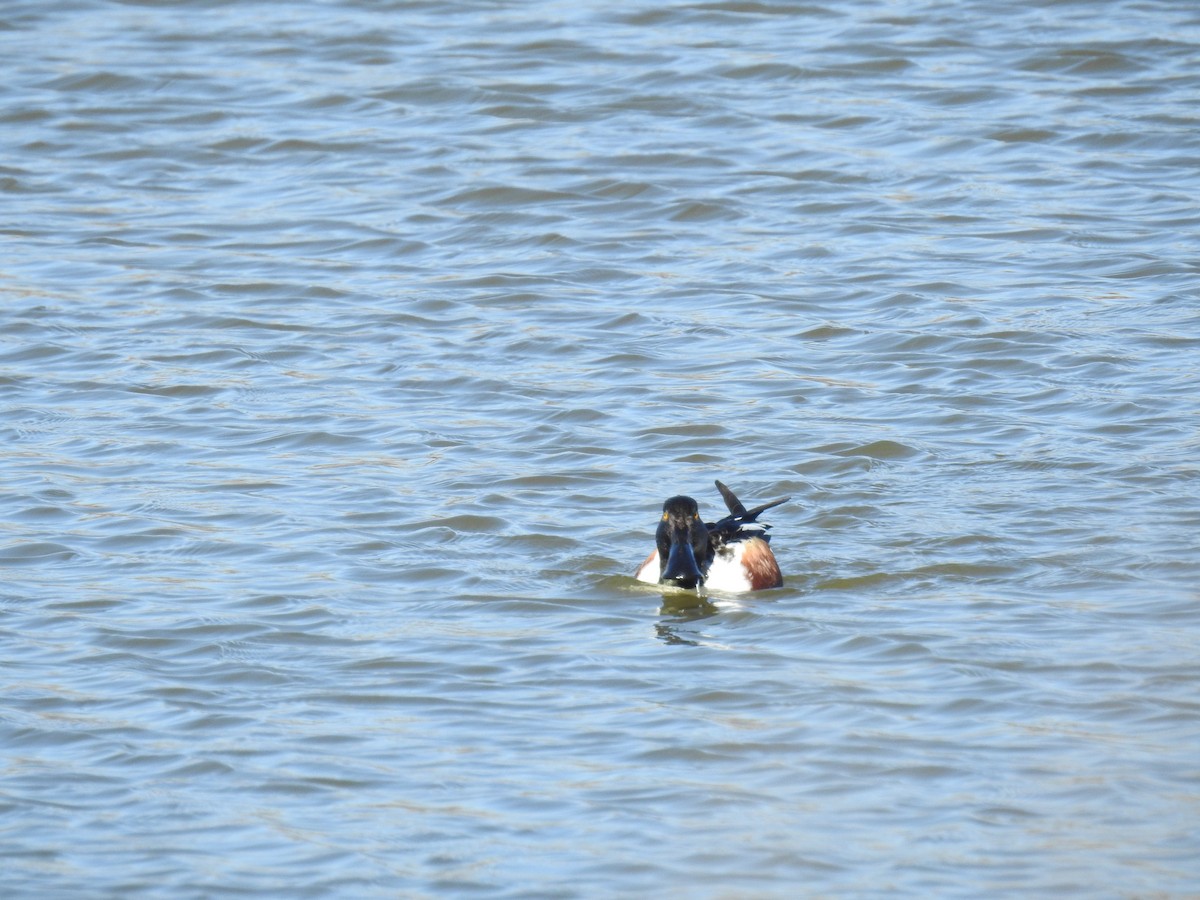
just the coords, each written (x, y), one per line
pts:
(732, 554)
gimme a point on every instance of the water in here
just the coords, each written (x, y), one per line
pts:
(348, 351)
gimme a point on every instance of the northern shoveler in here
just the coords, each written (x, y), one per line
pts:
(732, 554)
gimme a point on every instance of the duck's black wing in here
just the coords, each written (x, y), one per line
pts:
(731, 500)
(738, 516)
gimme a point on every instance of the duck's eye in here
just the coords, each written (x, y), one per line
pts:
(696, 517)
(665, 517)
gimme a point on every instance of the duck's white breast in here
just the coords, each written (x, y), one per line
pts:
(648, 571)
(727, 572)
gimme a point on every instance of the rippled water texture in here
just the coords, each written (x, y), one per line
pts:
(347, 353)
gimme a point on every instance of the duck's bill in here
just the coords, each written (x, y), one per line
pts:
(681, 570)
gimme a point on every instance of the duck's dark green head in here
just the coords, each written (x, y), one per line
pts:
(683, 546)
